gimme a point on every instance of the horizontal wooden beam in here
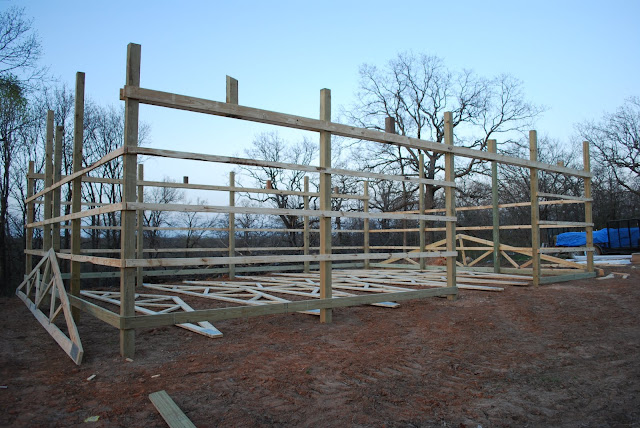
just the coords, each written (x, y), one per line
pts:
(212, 187)
(174, 154)
(101, 261)
(111, 318)
(106, 158)
(198, 261)
(219, 314)
(565, 197)
(280, 211)
(565, 223)
(224, 270)
(86, 213)
(200, 105)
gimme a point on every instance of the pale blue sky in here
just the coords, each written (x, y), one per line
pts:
(578, 58)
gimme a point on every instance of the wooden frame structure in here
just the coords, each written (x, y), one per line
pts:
(131, 266)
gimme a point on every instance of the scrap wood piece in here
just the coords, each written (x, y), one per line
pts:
(50, 284)
(150, 304)
(169, 410)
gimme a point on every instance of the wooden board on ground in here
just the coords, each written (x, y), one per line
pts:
(169, 410)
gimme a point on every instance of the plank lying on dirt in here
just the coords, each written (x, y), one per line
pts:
(169, 410)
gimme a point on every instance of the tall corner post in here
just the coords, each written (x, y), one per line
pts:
(367, 224)
(48, 181)
(28, 239)
(421, 208)
(450, 201)
(128, 216)
(325, 205)
(588, 205)
(492, 147)
(535, 210)
(57, 175)
(140, 225)
(76, 189)
(305, 224)
(232, 224)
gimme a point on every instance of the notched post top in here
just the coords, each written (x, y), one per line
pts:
(232, 90)
(390, 125)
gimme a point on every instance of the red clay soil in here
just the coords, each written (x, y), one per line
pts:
(561, 355)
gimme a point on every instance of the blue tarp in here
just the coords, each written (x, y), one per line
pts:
(619, 238)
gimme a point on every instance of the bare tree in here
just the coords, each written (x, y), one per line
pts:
(416, 90)
(270, 147)
(157, 219)
(20, 48)
(616, 140)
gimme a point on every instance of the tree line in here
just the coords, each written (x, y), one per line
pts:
(413, 89)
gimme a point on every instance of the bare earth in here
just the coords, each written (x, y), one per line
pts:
(561, 355)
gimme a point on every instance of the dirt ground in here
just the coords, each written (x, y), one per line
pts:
(561, 355)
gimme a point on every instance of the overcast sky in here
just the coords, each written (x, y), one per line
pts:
(577, 58)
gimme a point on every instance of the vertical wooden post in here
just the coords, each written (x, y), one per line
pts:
(588, 215)
(325, 205)
(232, 225)
(367, 224)
(57, 175)
(450, 202)
(76, 189)
(496, 213)
(421, 207)
(128, 217)
(305, 231)
(232, 90)
(535, 209)
(140, 224)
(390, 125)
(28, 242)
(48, 181)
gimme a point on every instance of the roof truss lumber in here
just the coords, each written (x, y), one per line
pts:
(44, 283)
(150, 304)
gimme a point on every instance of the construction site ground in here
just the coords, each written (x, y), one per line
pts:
(566, 354)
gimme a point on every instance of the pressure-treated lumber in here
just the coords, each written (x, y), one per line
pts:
(282, 165)
(169, 410)
(366, 226)
(182, 102)
(103, 160)
(421, 208)
(535, 210)
(305, 233)
(325, 205)
(28, 243)
(495, 213)
(45, 281)
(213, 315)
(79, 215)
(140, 227)
(48, 181)
(232, 199)
(450, 203)
(57, 172)
(156, 303)
(568, 197)
(588, 206)
(328, 257)
(279, 211)
(128, 216)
